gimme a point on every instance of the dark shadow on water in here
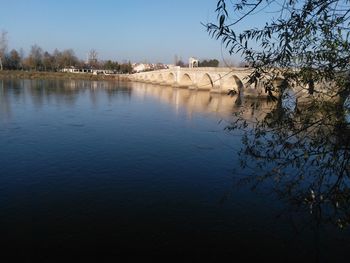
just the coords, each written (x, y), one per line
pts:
(300, 156)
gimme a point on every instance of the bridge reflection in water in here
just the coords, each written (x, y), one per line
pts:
(194, 101)
(188, 100)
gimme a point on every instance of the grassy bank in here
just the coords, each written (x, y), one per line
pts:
(8, 74)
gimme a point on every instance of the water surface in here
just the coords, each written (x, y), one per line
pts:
(112, 169)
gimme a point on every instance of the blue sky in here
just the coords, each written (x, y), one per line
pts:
(136, 30)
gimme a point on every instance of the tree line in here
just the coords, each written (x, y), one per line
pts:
(202, 63)
(40, 60)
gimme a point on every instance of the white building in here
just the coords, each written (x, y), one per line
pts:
(76, 70)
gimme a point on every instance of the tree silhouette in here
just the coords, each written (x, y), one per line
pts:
(305, 42)
(301, 57)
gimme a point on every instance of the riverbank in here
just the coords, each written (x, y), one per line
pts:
(9, 74)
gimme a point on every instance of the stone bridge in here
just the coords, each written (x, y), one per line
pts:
(220, 80)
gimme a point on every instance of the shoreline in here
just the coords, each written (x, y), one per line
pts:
(10, 74)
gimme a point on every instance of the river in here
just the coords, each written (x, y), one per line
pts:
(111, 170)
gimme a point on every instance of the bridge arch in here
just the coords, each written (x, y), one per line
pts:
(170, 78)
(185, 80)
(232, 83)
(206, 82)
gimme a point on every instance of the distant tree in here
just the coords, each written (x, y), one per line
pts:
(3, 47)
(68, 58)
(22, 56)
(56, 55)
(126, 68)
(26, 63)
(93, 58)
(209, 63)
(48, 61)
(34, 60)
(80, 63)
(61, 59)
(180, 63)
(13, 60)
(111, 65)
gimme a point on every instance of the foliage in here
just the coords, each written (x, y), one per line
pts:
(302, 151)
(126, 68)
(13, 60)
(109, 64)
(93, 58)
(68, 58)
(40, 60)
(306, 41)
(48, 61)
(180, 63)
(3, 47)
(209, 63)
(34, 60)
